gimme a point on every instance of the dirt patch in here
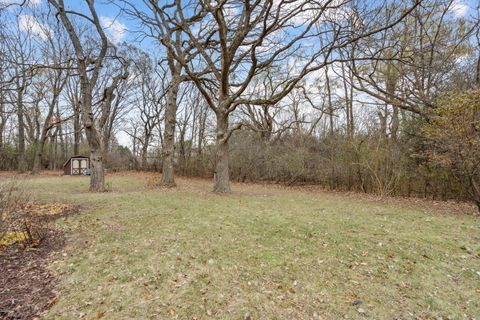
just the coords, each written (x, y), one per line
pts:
(27, 287)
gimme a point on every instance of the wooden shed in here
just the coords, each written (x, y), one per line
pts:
(76, 166)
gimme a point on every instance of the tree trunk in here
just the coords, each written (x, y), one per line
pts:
(1, 133)
(476, 192)
(51, 152)
(63, 149)
(201, 132)
(2, 121)
(76, 131)
(55, 150)
(38, 155)
(22, 164)
(477, 76)
(395, 123)
(97, 178)
(221, 179)
(47, 126)
(382, 115)
(182, 154)
(168, 178)
(146, 142)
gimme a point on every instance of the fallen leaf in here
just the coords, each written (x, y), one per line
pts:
(100, 314)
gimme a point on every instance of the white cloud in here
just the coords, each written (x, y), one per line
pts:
(115, 29)
(336, 10)
(459, 8)
(29, 24)
(18, 2)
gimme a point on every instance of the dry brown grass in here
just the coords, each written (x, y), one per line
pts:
(264, 252)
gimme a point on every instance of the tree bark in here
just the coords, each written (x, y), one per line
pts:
(76, 130)
(477, 78)
(146, 142)
(3, 120)
(221, 178)
(348, 101)
(51, 155)
(477, 75)
(168, 178)
(63, 148)
(39, 154)
(97, 178)
(201, 131)
(22, 164)
(395, 123)
(330, 104)
(382, 116)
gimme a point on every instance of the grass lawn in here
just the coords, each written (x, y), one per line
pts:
(263, 252)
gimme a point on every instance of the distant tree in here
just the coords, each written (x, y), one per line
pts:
(149, 101)
(454, 139)
(412, 63)
(237, 41)
(51, 82)
(21, 55)
(175, 45)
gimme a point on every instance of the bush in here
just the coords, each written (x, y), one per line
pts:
(12, 198)
(454, 139)
(16, 222)
(367, 162)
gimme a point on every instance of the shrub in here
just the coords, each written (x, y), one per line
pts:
(16, 223)
(454, 139)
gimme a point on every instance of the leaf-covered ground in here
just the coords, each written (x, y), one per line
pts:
(27, 286)
(263, 252)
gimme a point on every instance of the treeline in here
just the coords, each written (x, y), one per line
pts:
(362, 163)
(378, 97)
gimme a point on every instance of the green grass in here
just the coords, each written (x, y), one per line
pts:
(267, 252)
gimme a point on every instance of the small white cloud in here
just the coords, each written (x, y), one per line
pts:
(20, 2)
(331, 10)
(459, 8)
(29, 24)
(115, 29)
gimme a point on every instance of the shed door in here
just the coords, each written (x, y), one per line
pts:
(75, 166)
(79, 166)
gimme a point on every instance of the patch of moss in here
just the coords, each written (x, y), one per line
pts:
(11, 237)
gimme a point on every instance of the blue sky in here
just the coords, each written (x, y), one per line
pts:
(118, 25)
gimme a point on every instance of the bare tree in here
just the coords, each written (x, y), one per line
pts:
(237, 41)
(89, 65)
(175, 45)
(412, 62)
(111, 105)
(477, 36)
(267, 119)
(152, 86)
(21, 55)
(53, 79)
(72, 94)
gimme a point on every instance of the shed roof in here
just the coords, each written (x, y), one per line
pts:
(74, 157)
